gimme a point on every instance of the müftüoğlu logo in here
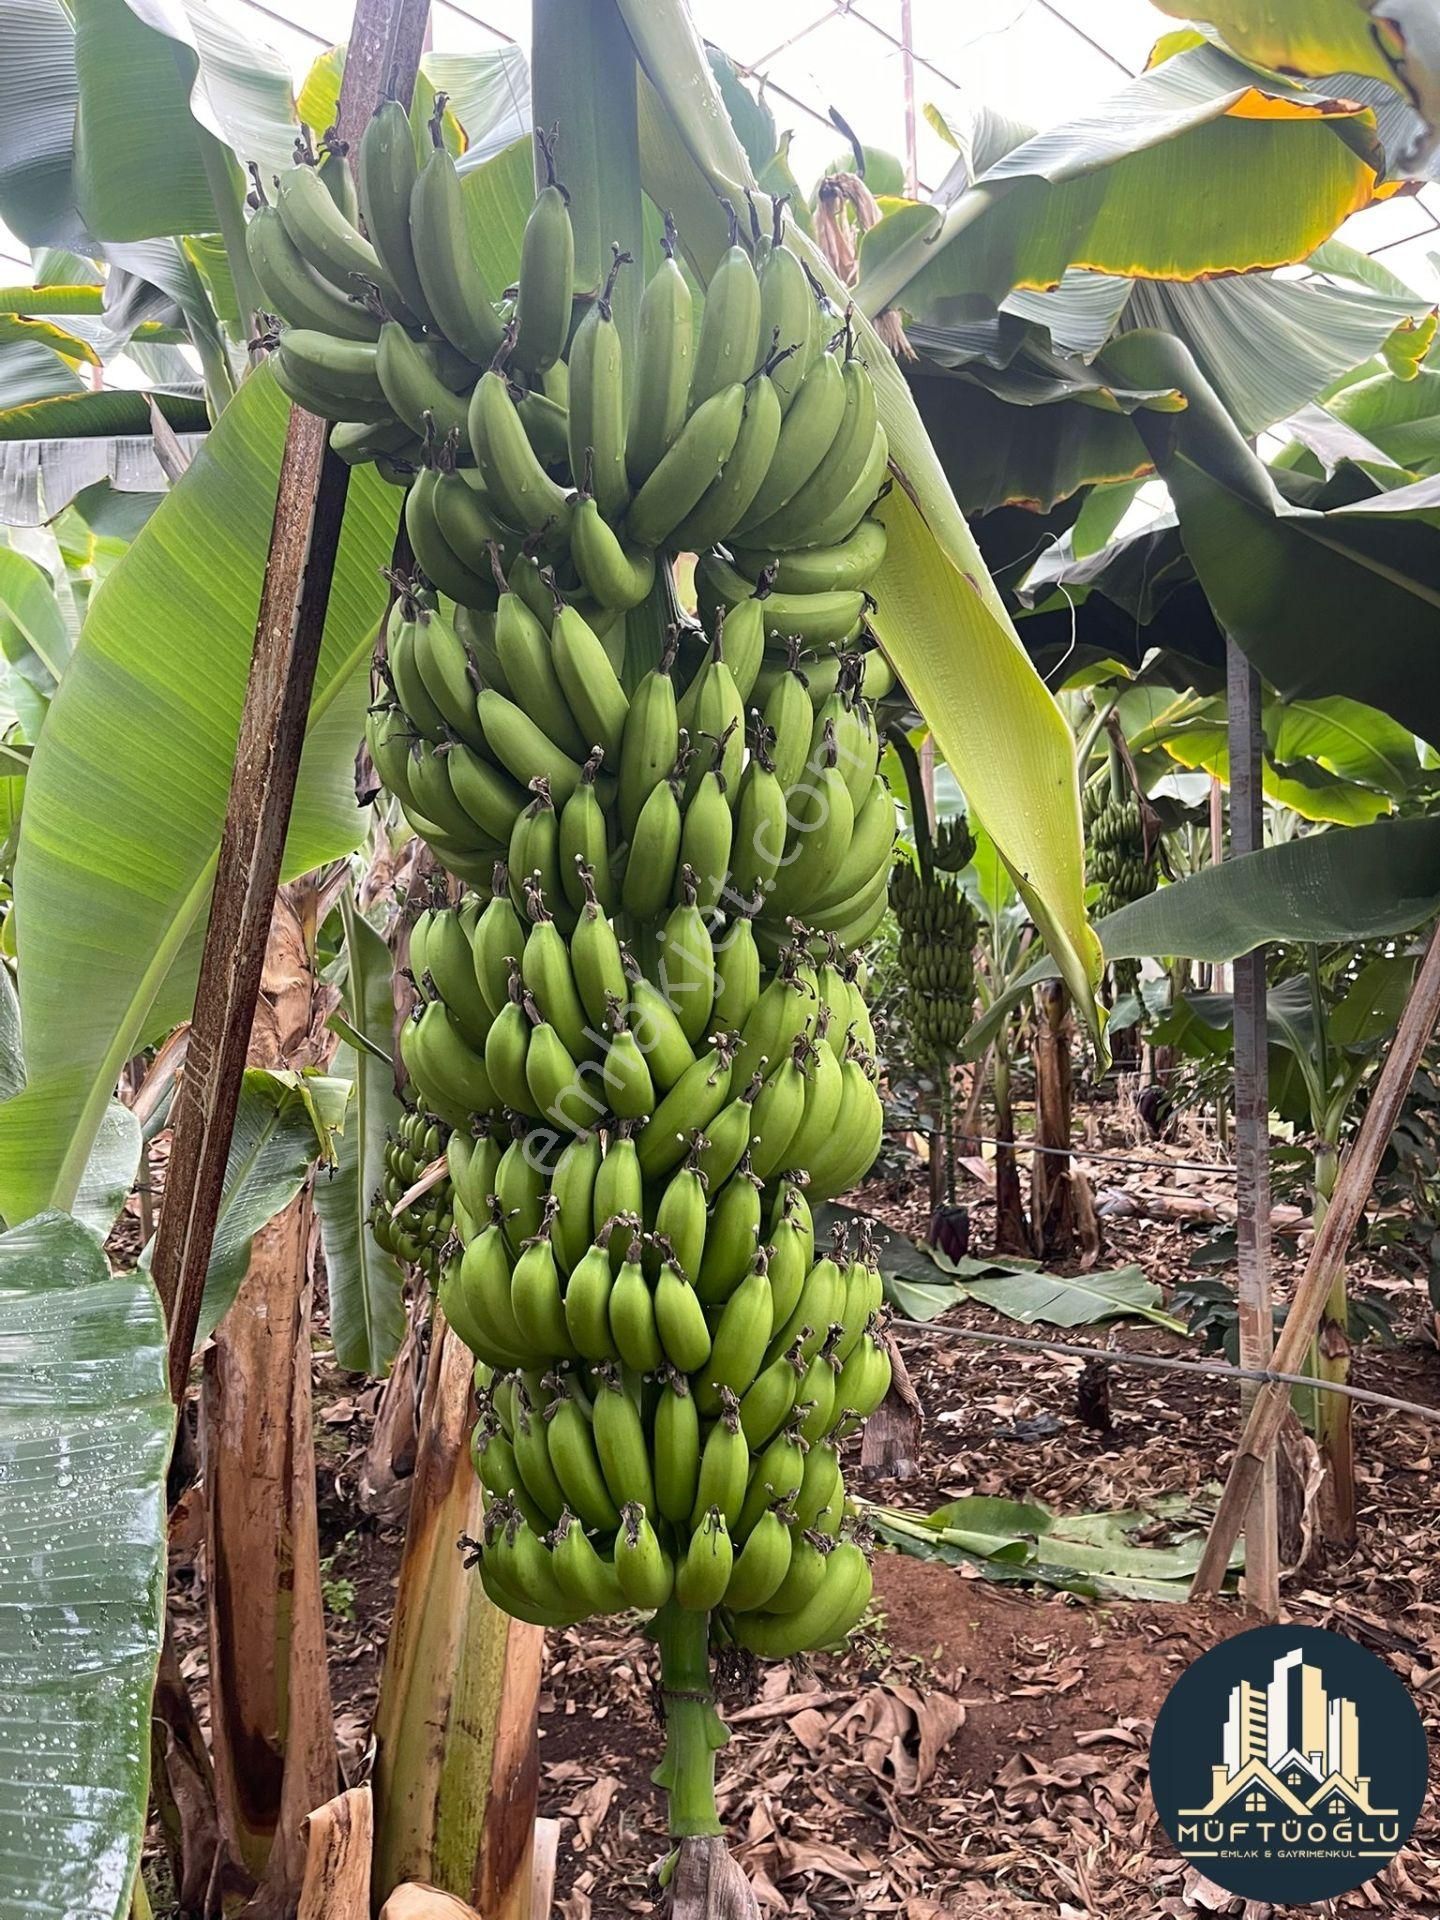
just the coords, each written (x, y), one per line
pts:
(1288, 1764)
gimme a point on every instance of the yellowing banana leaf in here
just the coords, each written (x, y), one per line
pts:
(940, 618)
(1201, 165)
(1301, 36)
(85, 1431)
(126, 792)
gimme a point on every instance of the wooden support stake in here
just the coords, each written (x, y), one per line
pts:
(1327, 1257)
(383, 57)
(1252, 1122)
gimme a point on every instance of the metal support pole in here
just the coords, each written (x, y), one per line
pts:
(1252, 1121)
(383, 56)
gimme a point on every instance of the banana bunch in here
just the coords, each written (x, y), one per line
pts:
(419, 1231)
(511, 736)
(684, 1445)
(1118, 860)
(643, 1015)
(937, 928)
(524, 428)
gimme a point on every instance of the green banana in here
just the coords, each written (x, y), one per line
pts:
(787, 312)
(652, 739)
(587, 1305)
(642, 1565)
(692, 463)
(547, 273)
(536, 1296)
(598, 970)
(687, 1109)
(707, 833)
(703, 1575)
(577, 1466)
(733, 1232)
(620, 1442)
(741, 1335)
(632, 1314)
(680, 1319)
(660, 395)
(769, 1400)
(677, 1447)
(497, 943)
(415, 392)
(590, 685)
(450, 276)
(387, 174)
(730, 494)
(584, 844)
(850, 563)
(737, 970)
(524, 749)
(525, 653)
(589, 1582)
(615, 573)
(806, 436)
(829, 1617)
(597, 402)
(654, 851)
(661, 1038)
(533, 856)
(629, 1085)
(514, 476)
(294, 290)
(334, 248)
(728, 346)
(760, 1566)
(437, 558)
(687, 962)
(724, 1465)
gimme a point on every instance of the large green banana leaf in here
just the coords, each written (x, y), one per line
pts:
(85, 1428)
(1342, 601)
(366, 1286)
(1401, 417)
(1347, 884)
(116, 116)
(940, 618)
(127, 789)
(1200, 165)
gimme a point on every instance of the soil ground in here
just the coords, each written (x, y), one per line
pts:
(983, 1752)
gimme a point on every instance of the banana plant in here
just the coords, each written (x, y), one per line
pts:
(1327, 1031)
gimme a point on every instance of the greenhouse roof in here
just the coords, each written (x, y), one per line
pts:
(890, 68)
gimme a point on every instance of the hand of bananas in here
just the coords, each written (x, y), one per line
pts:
(645, 1018)
(418, 1231)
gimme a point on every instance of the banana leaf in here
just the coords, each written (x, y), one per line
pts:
(1340, 600)
(366, 1286)
(1347, 884)
(940, 618)
(1202, 164)
(276, 1140)
(85, 1431)
(127, 790)
(1303, 36)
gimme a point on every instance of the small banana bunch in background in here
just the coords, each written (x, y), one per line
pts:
(643, 1018)
(936, 950)
(1118, 859)
(418, 1232)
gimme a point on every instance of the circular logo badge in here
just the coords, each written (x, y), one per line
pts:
(1288, 1764)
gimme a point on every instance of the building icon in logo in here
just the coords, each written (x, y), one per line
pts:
(1290, 1748)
